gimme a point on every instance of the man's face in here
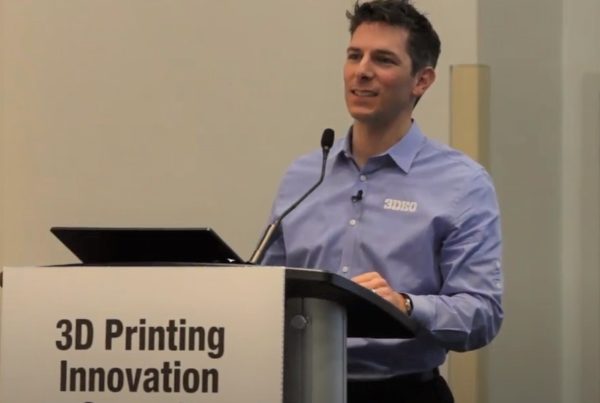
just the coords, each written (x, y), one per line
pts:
(379, 86)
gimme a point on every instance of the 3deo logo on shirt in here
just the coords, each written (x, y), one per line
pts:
(400, 205)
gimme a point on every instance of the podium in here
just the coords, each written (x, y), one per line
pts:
(320, 310)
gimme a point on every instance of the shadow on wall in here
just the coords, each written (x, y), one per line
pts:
(590, 227)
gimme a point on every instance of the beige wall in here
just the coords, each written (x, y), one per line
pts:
(581, 202)
(521, 41)
(545, 149)
(159, 113)
(2, 119)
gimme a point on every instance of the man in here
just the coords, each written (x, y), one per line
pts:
(422, 230)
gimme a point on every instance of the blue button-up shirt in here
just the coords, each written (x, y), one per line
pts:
(428, 222)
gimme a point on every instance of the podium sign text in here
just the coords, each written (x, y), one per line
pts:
(142, 334)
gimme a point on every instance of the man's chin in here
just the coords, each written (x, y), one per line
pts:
(363, 116)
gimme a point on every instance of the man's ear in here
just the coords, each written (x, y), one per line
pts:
(423, 80)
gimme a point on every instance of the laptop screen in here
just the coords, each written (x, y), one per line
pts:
(146, 245)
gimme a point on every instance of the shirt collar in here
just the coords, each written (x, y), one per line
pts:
(403, 153)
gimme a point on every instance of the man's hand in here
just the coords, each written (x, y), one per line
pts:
(374, 282)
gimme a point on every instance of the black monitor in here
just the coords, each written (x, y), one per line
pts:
(104, 246)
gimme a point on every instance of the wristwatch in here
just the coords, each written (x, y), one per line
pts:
(408, 305)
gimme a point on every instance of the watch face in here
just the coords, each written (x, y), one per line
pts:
(408, 306)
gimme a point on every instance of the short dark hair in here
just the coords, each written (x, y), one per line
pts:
(423, 42)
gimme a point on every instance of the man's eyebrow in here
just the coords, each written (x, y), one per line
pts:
(378, 52)
(384, 52)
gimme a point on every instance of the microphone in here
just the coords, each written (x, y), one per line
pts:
(357, 197)
(269, 235)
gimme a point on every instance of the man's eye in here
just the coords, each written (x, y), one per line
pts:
(386, 60)
(353, 56)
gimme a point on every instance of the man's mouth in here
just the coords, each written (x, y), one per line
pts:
(364, 93)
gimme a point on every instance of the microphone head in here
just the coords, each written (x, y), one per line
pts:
(327, 139)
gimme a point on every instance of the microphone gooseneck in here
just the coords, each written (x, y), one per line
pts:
(326, 142)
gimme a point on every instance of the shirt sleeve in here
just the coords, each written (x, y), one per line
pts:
(467, 313)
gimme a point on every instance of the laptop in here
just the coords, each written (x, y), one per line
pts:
(148, 246)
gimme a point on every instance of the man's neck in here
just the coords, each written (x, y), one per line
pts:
(369, 140)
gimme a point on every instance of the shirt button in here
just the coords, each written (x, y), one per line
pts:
(353, 222)
(363, 178)
(345, 269)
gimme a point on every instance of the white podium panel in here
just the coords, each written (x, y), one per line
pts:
(142, 334)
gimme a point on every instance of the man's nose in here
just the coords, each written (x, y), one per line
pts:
(365, 69)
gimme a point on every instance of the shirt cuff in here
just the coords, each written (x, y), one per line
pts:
(423, 310)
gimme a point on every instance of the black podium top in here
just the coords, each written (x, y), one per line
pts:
(368, 314)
